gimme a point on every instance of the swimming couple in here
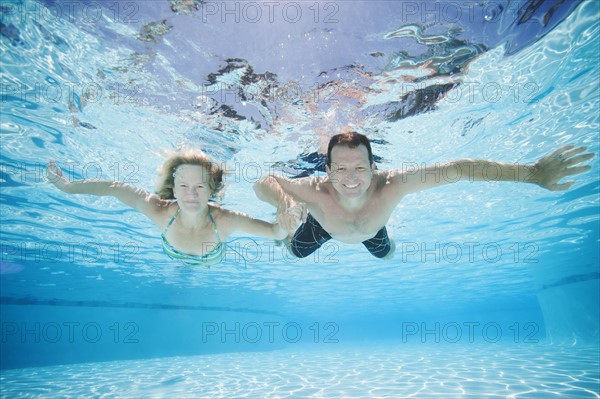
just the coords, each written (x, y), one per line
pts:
(351, 204)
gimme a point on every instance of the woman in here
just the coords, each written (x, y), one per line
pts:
(193, 230)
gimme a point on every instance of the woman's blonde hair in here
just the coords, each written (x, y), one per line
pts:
(166, 178)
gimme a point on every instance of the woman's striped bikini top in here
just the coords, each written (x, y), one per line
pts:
(214, 257)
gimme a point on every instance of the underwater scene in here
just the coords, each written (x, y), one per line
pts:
(493, 287)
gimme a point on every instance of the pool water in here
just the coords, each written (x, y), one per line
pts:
(494, 288)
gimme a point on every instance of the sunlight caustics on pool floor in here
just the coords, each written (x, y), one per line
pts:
(396, 371)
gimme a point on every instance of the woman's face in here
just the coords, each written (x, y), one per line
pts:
(191, 189)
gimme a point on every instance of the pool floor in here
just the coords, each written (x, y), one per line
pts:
(370, 371)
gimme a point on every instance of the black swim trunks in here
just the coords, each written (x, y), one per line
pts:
(310, 236)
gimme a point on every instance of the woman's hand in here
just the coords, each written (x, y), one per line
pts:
(291, 216)
(55, 176)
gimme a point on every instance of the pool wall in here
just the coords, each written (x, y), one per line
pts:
(40, 335)
(571, 312)
(34, 335)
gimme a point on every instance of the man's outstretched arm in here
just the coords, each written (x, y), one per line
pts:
(287, 196)
(546, 172)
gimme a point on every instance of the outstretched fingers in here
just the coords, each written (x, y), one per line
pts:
(577, 170)
(559, 153)
(573, 151)
(574, 160)
(561, 187)
(573, 157)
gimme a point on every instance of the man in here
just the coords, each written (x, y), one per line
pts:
(354, 201)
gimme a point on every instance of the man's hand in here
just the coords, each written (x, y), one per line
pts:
(558, 164)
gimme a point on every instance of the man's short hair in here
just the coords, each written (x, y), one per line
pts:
(351, 140)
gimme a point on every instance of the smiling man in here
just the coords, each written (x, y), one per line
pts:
(353, 203)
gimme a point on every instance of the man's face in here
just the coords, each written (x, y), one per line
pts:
(350, 171)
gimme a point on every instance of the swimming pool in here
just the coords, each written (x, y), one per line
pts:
(493, 291)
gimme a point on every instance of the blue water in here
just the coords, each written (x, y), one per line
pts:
(494, 289)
